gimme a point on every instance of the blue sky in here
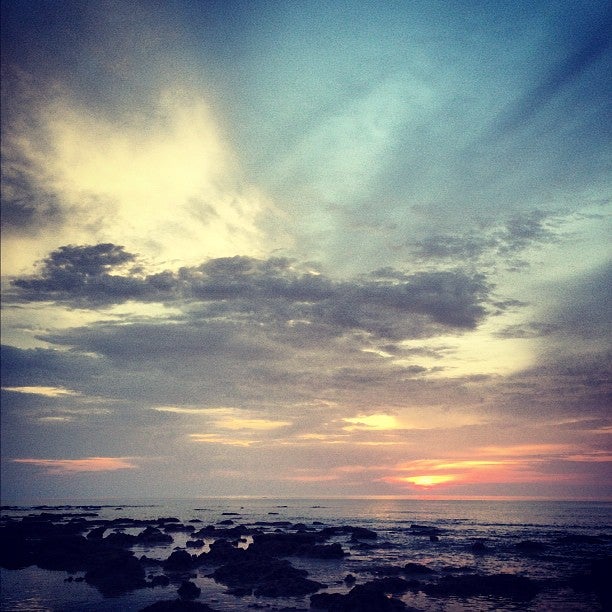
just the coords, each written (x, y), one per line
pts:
(305, 248)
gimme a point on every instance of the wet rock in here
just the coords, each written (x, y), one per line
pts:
(417, 568)
(153, 535)
(115, 572)
(221, 551)
(578, 538)
(361, 533)
(597, 580)
(177, 605)
(160, 580)
(179, 561)
(194, 543)
(188, 590)
(497, 585)
(424, 530)
(177, 528)
(479, 547)
(120, 540)
(266, 576)
(369, 597)
(350, 579)
(96, 533)
(531, 546)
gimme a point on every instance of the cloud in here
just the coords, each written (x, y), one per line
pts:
(44, 391)
(387, 303)
(88, 464)
(497, 242)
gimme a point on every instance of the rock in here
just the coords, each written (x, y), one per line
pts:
(424, 530)
(153, 535)
(531, 546)
(160, 580)
(479, 547)
(177, 606)
(221, 551)
(417, 568)
(115, 572)
(597, 580)
(361, 533)
(96, 533)
(369, 597)
(577, 538)
(194, 543)
(179, 561)
(267, 576)
(498, 585)
(188, 590)
(176, 528)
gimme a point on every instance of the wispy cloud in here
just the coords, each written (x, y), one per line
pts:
(88, 464)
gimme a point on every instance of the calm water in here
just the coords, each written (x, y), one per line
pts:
(499, 524)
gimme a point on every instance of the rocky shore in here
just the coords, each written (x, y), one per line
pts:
(257, 559)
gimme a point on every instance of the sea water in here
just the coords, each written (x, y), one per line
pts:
(499, 525)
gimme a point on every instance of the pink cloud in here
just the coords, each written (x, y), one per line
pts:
(88, 464)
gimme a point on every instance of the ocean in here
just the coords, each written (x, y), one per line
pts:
(550, 543)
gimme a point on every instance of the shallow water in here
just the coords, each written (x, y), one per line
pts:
(500, 525)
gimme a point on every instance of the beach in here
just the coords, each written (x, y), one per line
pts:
(329, 554)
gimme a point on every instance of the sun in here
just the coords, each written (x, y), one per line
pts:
(429, 480)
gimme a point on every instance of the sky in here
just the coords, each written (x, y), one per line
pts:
(306, 249)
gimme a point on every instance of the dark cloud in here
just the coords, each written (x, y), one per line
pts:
(517, 233)
(528, 330)
(387, 303)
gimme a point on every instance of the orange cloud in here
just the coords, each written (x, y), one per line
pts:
(88, 464)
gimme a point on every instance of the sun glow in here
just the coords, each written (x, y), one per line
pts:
(372, 421)
(429, 480)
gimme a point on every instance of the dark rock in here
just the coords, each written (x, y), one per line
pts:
(177, 606)
(531, 546)
(179, 561)
(115, 572)
(417, 568)
(96, 533)
(160, 580)
(497, 585)
(479, 547)
(176, 528)
(188, 590)
(120, 540)
(361, 533)
(577, 538)
(268, 577)
(597, 580)
(152, 535)
(221, 551)
(302, 544)
(226, 522)
(369, 597)
(194, 543)
(350, 579)
(424, 530)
